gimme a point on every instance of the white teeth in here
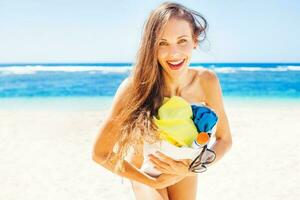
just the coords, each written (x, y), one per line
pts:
(175, 63)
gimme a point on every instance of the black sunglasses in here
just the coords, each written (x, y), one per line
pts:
(205, 157)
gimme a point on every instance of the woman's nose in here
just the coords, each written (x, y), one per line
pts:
(174, 51)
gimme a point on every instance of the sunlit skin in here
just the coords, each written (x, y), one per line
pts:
(167, 165)
(176, 43)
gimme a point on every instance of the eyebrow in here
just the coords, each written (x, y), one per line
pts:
(177, 38)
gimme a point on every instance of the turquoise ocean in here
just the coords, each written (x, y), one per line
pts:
(93, 85)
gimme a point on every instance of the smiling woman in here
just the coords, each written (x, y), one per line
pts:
(174, 53)
(161, 72)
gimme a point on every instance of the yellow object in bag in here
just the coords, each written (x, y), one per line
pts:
(175, 121)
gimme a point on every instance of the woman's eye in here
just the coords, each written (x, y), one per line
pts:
(162, 43)
(182, 41)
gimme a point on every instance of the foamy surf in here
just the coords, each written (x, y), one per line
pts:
(39, 68)
(32, 69)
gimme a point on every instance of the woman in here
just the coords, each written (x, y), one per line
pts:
(162, 70)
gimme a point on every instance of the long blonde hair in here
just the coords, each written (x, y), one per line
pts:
(147, 86)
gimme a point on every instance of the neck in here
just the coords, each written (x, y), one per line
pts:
(175, 84)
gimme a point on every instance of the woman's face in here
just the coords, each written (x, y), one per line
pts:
(175, 46)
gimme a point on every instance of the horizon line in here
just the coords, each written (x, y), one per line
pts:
(131, 63)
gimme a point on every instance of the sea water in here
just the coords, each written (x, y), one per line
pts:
(90, 85)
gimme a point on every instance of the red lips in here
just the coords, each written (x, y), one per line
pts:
(176, 66)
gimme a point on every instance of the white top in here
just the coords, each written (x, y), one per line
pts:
(177, 153)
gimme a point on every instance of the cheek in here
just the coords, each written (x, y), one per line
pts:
(187, 49)
(162, 55)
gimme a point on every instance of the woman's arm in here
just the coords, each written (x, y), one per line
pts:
(107, 137)
(214, 100)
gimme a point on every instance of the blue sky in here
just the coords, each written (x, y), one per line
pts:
(110, 31)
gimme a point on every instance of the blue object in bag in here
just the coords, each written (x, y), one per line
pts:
(204, 118)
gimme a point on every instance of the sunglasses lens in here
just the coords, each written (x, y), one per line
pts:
(199, 169)
(208, 156)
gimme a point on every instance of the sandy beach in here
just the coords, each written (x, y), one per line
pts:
(45, 153)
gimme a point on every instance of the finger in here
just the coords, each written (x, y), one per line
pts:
(172, 164)
(186, 162)
(157, 159)
(162, 170)
(166, 158)
(159, 163)
(178, 167)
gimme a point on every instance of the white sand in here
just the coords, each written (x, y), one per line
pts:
(46, 154)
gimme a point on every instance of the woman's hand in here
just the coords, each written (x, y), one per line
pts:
(167, 165)
(166, 180)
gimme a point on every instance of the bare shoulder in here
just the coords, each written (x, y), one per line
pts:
(212, 89)
(122, 90)
(123, 87)
(208, 82)
(109, 130)
(214, 99)
(207, 76)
